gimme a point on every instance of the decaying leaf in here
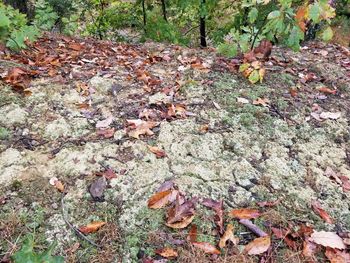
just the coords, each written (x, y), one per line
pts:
(92, 227)
(57, 184)
(330, 115)
(180, 215)
(161, 199)
(327, 90)
(140, 127)
(263, 102)
(158, 152)
(316, 206)
(192, 234)
(258, 246)
(242, 100)
(106, 133)
(181, 224)
(206, 247)
(337, 256)
(327, 239)
(217, 206)
(97, 188)
(167, 252)
(228, 236)
(309, 249)
(244, 213)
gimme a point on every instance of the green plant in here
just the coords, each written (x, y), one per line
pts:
(45, 16)
(27, 254)
(14, 30)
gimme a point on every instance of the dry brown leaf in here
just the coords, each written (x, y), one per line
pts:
(160, 199)
(57, 184)
(263, 102)
(158, 152)
(92, 227)
(167, 252)
(206, 247)
(106, 133)
(327, 239)
(309, 249)
(192, 234)
(244, 213)
(228, 236)
(140, 127)
(327, 90)
(182, 224)
(258, 246)
(316, 206)
(337, 256)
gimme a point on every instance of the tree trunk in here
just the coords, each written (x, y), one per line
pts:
(202, 29)
(24, 6)
(164, 10)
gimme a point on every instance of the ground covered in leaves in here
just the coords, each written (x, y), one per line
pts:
(167, 149)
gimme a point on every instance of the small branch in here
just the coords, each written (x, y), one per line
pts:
(76, 230)
(254, 228)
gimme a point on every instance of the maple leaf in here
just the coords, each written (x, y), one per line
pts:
(92, 227)
(206, 247)
(167, 252)
(228, 236)
(140, 127)
(316, 206)
(244, 213)
(327, 239)
(258, 246)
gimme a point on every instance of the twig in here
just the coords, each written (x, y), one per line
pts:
(76, 230)
(254, 228)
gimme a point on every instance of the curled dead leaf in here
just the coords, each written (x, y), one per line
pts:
(228, 236)
(92, 227)
(161, 199)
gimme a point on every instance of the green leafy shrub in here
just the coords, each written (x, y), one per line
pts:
(27, 254)
(14, 30)
(45, 16)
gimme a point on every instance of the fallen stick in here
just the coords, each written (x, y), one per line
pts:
(254, 228)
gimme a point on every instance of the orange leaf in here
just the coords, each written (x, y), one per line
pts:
(182, 224)
(206, 247)
(258, 246)
(244, 213)
(316, 206)
(293, 92)
(167, 252)
(159, 200)
(337, 256)
(92, 227)
(263, 102)
(228, 235)
(158, 152)
(327, 90)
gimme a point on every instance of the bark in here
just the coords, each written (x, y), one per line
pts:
(164, 10)
(203, 34)
(144, 14)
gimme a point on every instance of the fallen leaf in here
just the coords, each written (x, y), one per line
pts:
(108, 174)
(160, 199)
(140, 127)
(337, 256)
(327, 90)
(180, 215)
(244, 213)
(92, 227)
(106, 133)
(192, 234)
(316, 206)
(57, 184)
(258, 246)
(228, 236)
(182, 224)
(242, 100)
(263, 102)
(158, 152)
(268, 203)
(293, 92)
(330, 115)
(327, 239)
(206, 247)
(309, 249)
(217, 206)
(167, 252)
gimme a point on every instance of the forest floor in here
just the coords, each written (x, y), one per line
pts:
(92, 112)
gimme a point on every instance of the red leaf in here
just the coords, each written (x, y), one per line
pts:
(316, 206)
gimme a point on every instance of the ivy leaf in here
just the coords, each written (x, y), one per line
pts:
(252, 15)
(274, 14)
(327, 34)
